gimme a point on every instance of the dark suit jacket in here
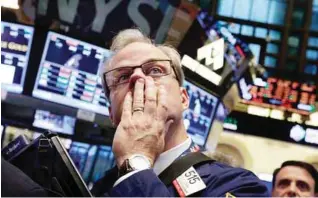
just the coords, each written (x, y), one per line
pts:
(14, 183)
(220, 180)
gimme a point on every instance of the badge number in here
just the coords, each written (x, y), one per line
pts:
(189, 182)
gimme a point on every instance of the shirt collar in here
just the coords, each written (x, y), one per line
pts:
(167, 157)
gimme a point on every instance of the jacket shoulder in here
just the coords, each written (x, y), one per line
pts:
(221, 179)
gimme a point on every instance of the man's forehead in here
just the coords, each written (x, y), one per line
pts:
(294, 172)
(135, 54)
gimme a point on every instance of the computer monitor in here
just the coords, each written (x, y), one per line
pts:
(57, 123)
(79, 152)
(68, 74)
(199, 116)
(294, 97)
(91, 155)
(47, 162)
(105, 161)
(16, 40)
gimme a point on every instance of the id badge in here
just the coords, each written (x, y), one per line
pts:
(188, 183)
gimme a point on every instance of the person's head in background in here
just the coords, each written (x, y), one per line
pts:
(295, 179)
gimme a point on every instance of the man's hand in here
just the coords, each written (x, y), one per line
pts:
(143, 122)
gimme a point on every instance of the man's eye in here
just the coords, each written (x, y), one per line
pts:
(122, 78)
(303, 186)
(155, 71)
(283, 183)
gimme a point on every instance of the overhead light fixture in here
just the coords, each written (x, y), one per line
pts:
(258, 111)
(313, 119)
(311, 136)
(12, 4)
(295, 117)
(277, 114)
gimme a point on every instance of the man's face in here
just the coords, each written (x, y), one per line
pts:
(293, 181)
(136, 54)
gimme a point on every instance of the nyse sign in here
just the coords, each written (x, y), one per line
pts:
(108, 17)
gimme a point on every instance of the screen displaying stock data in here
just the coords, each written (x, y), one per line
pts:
(199, 116)
(277, 93)
(16, 42)
(68, 74)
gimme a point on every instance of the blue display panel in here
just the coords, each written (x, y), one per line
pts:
(200, 114)
(57, 123)
(89, 163)
(16, 42)
(92, 161)
(79, 153)
(105, 160)
(68, 74)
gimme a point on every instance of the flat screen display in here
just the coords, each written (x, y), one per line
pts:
(105, 161)
(57, 123)
(277, 93)
(79, 152)
(86, 173)
(68, 74)
(200, 114)
(16, 43)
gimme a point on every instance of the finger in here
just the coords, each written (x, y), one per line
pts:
(150, 96)
(127, 106)
(162, 103)
(138, 98)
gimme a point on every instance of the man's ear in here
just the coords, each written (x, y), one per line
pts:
(184, 98)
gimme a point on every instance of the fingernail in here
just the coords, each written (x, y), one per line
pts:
(141, 80)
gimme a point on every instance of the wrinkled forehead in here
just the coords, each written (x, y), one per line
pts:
(135, 54)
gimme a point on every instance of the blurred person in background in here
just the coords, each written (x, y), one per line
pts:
(144, 84)
(295, 179)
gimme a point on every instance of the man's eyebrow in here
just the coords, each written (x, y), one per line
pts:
(146, 61)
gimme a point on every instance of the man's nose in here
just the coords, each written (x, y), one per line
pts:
(137, 73)
(292, 190)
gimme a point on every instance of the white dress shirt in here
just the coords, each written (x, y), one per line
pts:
(164, 160)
